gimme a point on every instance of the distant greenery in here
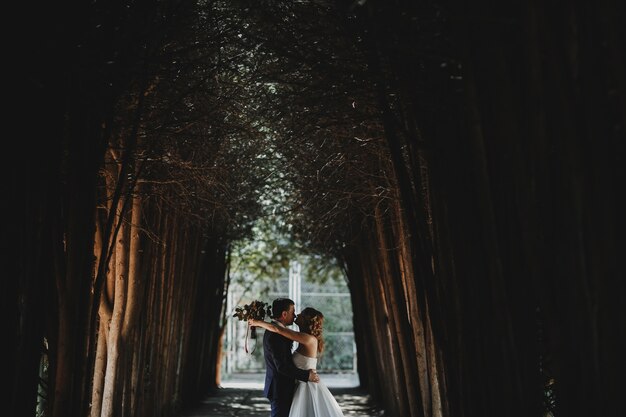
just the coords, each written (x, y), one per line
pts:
(338, 354)
(258, 261)
(266, 253)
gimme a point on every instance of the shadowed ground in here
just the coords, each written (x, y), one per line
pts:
(242, 396)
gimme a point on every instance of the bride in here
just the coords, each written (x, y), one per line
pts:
(309, 400)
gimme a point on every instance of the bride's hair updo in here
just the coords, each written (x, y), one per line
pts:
(310, 321)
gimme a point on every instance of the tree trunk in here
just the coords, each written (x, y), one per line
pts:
(114, 341)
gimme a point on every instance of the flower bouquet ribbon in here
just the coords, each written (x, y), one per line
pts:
(255, 310)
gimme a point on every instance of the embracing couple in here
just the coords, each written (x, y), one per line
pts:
(291, 381)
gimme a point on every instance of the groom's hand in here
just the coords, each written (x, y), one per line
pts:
(313, 376)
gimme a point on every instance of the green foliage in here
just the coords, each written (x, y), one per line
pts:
(338, 353)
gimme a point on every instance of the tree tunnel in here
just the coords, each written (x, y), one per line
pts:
(461, 163)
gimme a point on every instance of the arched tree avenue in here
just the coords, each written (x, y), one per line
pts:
(461, 162)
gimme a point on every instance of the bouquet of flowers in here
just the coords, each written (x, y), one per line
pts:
(255, 310)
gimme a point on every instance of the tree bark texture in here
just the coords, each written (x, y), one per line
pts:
(514, 188)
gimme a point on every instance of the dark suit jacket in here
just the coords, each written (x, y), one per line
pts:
(280, 372)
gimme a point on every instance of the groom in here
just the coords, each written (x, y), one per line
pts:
(280, 372)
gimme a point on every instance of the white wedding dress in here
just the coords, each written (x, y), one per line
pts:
(312, 399)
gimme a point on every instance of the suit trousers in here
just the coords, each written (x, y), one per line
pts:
(281, 407)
